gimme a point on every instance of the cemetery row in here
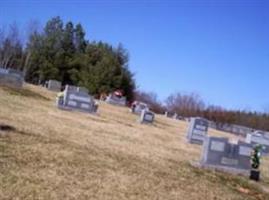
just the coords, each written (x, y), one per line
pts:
(229, 128)
(218, 153)
(14, 78)
(242, 157)
(76, 98)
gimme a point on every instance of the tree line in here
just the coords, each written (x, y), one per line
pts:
(192, 105)
(60, 51)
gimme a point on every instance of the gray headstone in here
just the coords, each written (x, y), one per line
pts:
(54, 85)
(220, 154)
(113, 99)
(82, 89)
(147, 117)
(232, 128)
(71, 88)
(171, 115)
(197, 130)
(11, 78)
(178, 117)
(74, 99)
(256, 138)
(140, 107)
(166, 114)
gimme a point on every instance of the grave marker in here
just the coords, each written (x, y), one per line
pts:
(138, 107)
(82, 89)
(75, 99)
(147, 117)
(11, 78)
(197, 130)
(53, 85)
(116, 100)
(258, 138)
(219, 153)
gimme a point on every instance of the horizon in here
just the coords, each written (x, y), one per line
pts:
(216, 49)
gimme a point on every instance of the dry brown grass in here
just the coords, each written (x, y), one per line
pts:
(55, 154)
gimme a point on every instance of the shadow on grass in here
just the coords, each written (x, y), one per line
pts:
(24, 92)
(7, 128)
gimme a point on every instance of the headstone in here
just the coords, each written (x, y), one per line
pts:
(147, 117)
(219, 153)
(82, 89)
(115, 100)
(54, 85)
(178, 117)
(74, 99)
(232, 128)
(197, 130)
(257, 138)
(11, 78)
(166, 114)
(138, 107)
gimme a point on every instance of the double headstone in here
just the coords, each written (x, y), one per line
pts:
(116, 100)
(11, 78)
(74, 99)
(147, 117)
(219, 153)
(258, 138)
(197, 130)
(53, 85)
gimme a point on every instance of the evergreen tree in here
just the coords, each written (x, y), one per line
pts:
(79, 39)
(61, 52)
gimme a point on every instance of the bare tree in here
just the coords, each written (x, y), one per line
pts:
(2, 38)
(151, 99)
(33, 27)
(10, 47)
(185, 104)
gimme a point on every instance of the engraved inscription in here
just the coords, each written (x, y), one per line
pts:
(217, 146)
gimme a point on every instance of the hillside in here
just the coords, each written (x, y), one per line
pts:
(46, 153)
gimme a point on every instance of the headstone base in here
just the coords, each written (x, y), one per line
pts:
(225, 169)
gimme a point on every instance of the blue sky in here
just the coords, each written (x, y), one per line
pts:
(219, 49)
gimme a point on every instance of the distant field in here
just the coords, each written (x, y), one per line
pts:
(47, 153)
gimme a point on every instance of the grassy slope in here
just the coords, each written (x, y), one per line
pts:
(54, 154)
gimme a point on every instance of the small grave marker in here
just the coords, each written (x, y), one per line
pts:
(11, 78)
(116, 100)
(258, 138)
(53, 85)
(138, 107)
(197, 130)
(147, 117)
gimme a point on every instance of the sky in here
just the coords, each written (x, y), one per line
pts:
(218, 49)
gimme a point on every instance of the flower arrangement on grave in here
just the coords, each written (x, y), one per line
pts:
(255, 163)
(256, 157)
